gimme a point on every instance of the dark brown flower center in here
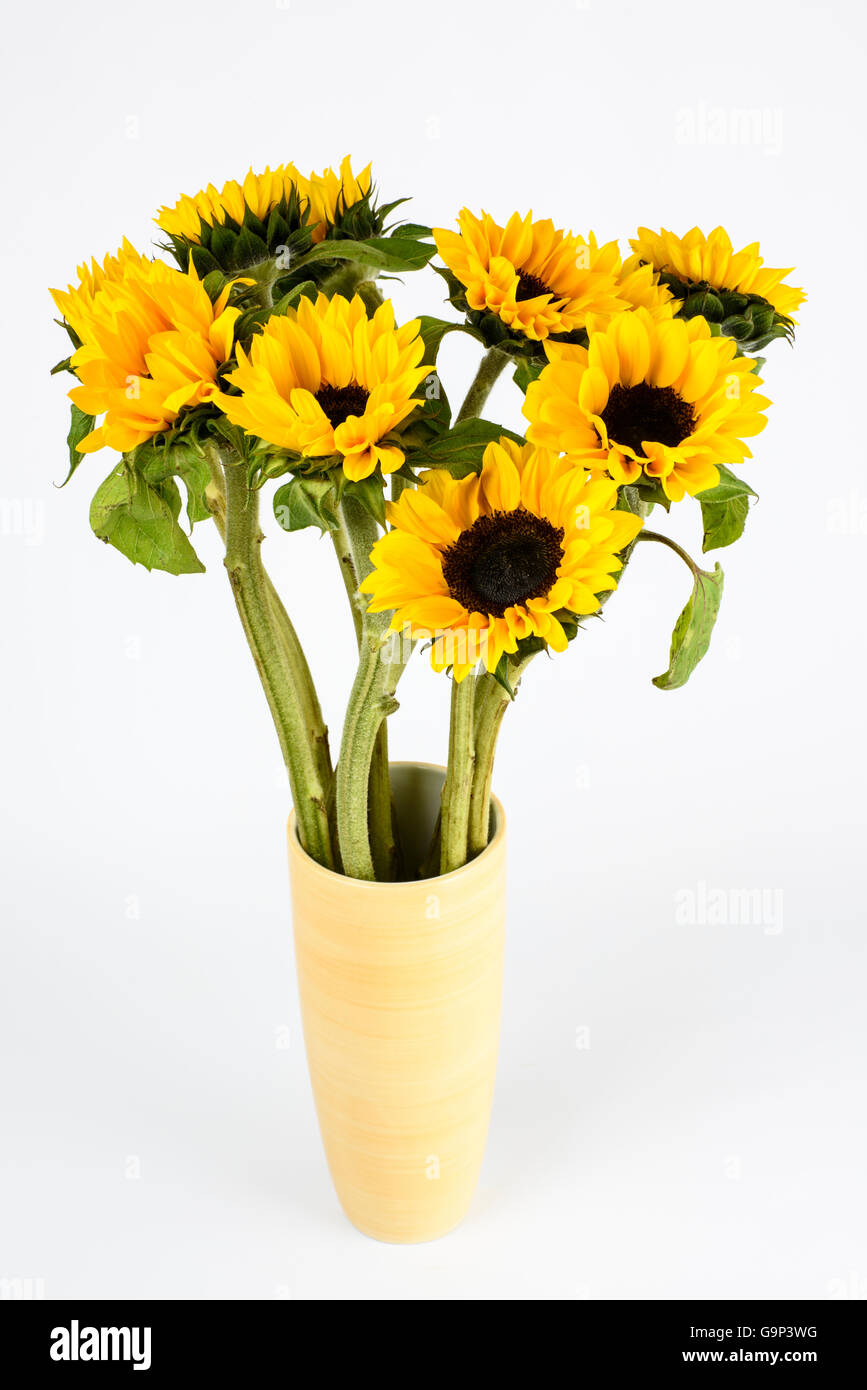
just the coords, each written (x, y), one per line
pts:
(339, 402)
(636, 413)
(529, 286)
(503, 559)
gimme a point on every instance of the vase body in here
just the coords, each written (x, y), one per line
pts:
(400, 987)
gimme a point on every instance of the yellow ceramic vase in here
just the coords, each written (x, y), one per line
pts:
(400, 989)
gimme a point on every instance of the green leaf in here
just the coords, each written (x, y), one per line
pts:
(290, 298)
(433, 330)
(416, 231)
(80, 425)
(304, 502)
(692, 631)
(380, 253)
(461, 449)
(140, 520)
(724, 510)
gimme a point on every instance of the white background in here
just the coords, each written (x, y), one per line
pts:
(158, 1134)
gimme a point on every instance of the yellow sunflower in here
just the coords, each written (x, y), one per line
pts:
(260, 193)
(151, 343)
(481, 562)
(537, 279)
(76, 301)
(666, 399)
(329, 194)
(711, 260)
(325, 380)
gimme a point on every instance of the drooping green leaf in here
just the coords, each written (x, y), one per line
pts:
(304, 502)
(80, 425)
(460, 450)
(724, 510)
(692, 631)
(140, 520)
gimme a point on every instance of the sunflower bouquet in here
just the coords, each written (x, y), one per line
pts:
(261, 350)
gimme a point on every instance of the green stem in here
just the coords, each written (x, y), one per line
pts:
(458, 785)
(381, 810)
(490, 368)
(365, 823)
(672, 545)
(343, 551)
(304, 685)
(297, 741)
(492, 701)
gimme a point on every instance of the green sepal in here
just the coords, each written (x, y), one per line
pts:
(747, 318)
(692, 631)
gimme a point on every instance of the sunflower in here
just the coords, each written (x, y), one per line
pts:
(76, 301)
(259, 193)
(664, 399)
(151, 343)
(330, 194)
(537, 279)
(696, 260)
(325, 380)
(485, 561)
(325, 194)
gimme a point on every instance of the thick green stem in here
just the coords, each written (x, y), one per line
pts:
(492, 701)
(365, 822)
(384, 845)
(490, 367)
(305, 688)
(458, 785)
(297, 740)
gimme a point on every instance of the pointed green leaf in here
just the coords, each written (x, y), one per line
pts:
(724, 510)
(692, 632)
(80, 425)
(461, 449)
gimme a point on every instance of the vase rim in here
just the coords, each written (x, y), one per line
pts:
(311, 866)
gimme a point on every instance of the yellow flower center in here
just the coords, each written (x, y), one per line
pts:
(339, 402)
(658, 413)
(502, 560)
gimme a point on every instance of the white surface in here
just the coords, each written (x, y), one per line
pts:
(711, 1139)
